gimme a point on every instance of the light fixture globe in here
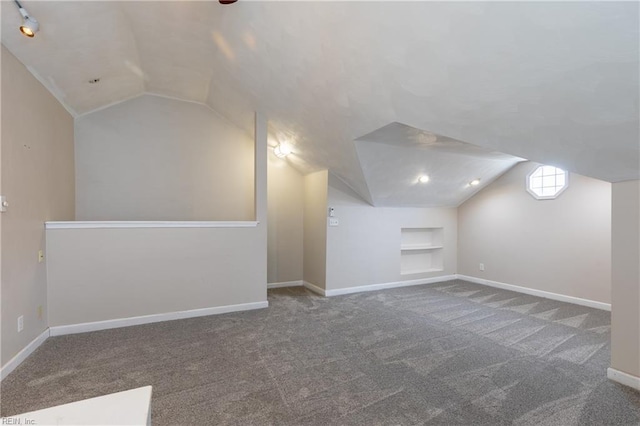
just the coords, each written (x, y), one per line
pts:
(29, 25)
(282, 150)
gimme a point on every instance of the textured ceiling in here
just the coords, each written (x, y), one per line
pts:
(394, 157)
(553, 82)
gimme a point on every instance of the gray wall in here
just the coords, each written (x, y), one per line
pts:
(365, 248)
(153, 158)
(625, 307)
(37, 178)
(315, 228)
(286, 205)
(560, 246)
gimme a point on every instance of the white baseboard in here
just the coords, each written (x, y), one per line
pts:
(384, 286)
(623, 378)
(539, 293)
(14, 362)
(298, 283)
(314, 288)
(23, 354)
(148, 319)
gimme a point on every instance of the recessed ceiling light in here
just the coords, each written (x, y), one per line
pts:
(475, 182)
(423, 179)
(282, 150)
(29, 25)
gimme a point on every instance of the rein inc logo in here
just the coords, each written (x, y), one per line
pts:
(17, 421)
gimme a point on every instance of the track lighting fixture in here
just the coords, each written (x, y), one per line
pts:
(29, 25)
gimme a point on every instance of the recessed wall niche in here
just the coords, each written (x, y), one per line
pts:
(421, 250)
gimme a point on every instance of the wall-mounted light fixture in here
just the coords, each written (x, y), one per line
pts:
(282, 150)
(29, 25)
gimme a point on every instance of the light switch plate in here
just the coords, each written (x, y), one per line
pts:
(333, 221)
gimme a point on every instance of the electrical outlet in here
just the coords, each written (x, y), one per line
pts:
(333, 221)
(482, 266)
(20, 323)
(40, 256)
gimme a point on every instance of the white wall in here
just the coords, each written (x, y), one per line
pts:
(109, 274)
(154, 158)
(365, 248)
(285, 234)
(561, 246)
(625, 306)
(315, 228)
(37, 179)
(106, 274)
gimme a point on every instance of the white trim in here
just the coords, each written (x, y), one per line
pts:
(23, 354)
(158, 95)
(283, 284)
(109, 105)
(121, 101)
(53, 88)
(314, 288)
(383, 286)
(148, 319)
(539, 293)
(149, 224)
(535, 195)
(623, 378)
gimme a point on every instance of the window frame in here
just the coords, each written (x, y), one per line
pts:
(546, 197)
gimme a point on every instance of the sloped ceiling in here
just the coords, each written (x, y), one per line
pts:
(553, 82)
(394, 157)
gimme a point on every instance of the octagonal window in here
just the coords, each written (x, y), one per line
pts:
(547, 182)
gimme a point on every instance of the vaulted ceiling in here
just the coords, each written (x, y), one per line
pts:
(554, 82)
(395, 157)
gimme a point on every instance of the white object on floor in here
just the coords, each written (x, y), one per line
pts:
(132, 407)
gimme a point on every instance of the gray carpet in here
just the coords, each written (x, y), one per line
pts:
(452, 353)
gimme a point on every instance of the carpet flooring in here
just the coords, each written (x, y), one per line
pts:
(452, 353)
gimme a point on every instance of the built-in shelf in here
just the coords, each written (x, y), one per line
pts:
(420, 247)
(420, 271)
(421, 250)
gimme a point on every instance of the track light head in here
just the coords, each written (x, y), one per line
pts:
(29, 25)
